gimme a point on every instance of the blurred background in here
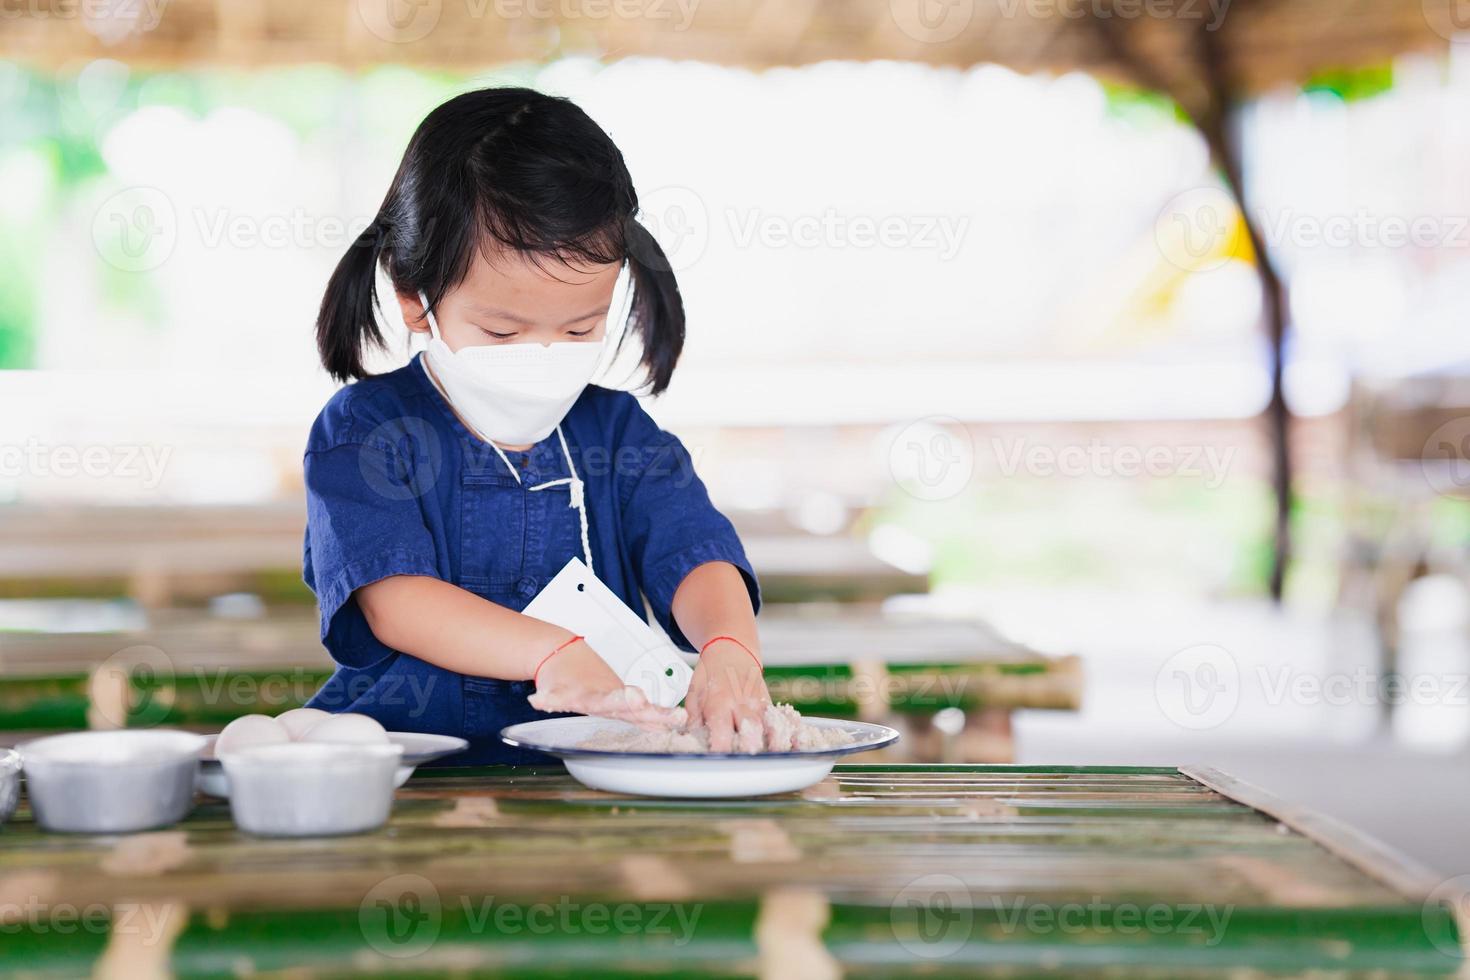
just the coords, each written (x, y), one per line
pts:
(1093, 373)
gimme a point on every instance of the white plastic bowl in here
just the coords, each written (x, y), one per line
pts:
(111, 782)
(9, 783)
(311, 789)
(418, 749)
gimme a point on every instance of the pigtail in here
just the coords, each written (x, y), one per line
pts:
(657, 313)
(347, 322)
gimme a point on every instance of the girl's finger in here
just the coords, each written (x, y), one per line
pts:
(720, 720)
(750, 727)
(694, 706)
(627, 704)
(575, 701)
(655, 718)
(631, 703)
(750, 734)
(547, 701)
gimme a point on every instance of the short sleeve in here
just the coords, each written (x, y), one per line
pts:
(363, 524)
(671, 527)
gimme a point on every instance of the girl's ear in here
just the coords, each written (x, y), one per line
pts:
(413, 312)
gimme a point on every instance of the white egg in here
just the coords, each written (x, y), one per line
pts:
(299, 721)
(348, 728)
(250, 730)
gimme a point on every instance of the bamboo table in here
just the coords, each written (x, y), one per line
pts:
(933, 870)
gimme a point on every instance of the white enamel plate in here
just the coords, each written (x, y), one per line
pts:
(705, 775)
(418, 748)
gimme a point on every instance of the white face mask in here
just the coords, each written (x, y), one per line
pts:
(513, 394)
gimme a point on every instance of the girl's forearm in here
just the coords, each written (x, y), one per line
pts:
(449, 627)
(713, 601)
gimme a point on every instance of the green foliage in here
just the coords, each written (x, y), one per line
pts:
(1142, 107)
(1350, 84)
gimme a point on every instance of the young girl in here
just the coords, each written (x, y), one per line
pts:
(443, 496)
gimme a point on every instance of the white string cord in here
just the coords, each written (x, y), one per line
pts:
(576, 492)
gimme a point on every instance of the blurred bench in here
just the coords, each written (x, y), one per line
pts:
(151, 554)
(191, 670)
(163, 555)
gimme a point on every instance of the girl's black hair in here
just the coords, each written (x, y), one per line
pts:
(508, 167)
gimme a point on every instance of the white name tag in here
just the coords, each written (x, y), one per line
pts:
(577, 600)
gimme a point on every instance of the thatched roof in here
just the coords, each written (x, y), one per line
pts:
(1270, 42)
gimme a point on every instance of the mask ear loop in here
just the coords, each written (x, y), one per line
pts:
(612, 347)
(429, 315)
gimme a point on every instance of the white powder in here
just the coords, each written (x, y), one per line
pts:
(783, 731)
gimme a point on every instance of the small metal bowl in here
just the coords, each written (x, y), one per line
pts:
(9, 783)
(311, 789)
(111, 782)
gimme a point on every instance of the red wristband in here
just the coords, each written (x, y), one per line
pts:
(738, 644)
(537, 672)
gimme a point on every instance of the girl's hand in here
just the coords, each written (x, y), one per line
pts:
(576, 679)
(728, 695)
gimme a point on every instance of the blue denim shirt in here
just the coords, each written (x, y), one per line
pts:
(396, 485)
